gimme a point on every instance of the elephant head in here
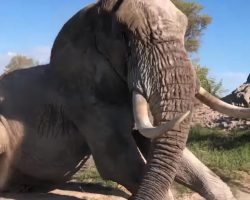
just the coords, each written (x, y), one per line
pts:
(144, 43)
(160, 75)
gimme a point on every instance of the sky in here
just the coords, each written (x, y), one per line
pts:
(29, 28)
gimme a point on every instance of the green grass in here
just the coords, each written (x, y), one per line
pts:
(223, 152)
(92, 176)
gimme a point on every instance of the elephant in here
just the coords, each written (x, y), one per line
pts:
(112, 64)
(240, 96)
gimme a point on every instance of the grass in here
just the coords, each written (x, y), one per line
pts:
(92, 176)
(224, 152)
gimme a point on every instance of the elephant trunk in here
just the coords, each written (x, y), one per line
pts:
(174, 99)
(166, 154)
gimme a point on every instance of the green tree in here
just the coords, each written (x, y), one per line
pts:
(197, 23)
(20, 61)
(209, 83)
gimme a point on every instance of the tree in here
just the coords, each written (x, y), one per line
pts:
(197, 23)
(210, 84)
(20, 61)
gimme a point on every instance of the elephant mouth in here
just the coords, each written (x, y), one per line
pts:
(144, 124)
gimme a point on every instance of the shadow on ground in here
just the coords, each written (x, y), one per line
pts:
(69, 191)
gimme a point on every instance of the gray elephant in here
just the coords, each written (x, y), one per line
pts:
(240, 96)
(109, 63)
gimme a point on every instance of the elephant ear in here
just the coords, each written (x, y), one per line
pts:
(91, 29)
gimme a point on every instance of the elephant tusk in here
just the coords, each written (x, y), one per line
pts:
(154, 132)
(140, 109)
(142, 156)
(142, 122)
(220, 106)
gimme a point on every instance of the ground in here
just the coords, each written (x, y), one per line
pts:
(95, 189)
(77, 191)
(226, 153)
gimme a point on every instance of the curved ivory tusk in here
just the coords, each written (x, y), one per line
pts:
(220, 106)
(143, 123)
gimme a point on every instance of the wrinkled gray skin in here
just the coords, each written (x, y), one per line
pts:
(54, 116)
(240, 96)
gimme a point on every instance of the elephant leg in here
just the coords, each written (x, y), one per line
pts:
(9, 141)
(4, 156)
(195, 175)
(117, 158)
(4, 169)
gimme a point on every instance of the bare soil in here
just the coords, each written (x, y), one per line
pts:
(70, 191)
(79, 191)
(75, 190)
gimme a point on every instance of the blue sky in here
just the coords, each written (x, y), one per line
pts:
(225, 46)
(29, 27)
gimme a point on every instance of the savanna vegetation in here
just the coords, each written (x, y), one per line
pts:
(224, 152)
(197, 23)
(20, 62)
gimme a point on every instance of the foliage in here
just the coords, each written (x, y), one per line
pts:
(197, 23)
(210, 84)
(20, 61)
(224, 152)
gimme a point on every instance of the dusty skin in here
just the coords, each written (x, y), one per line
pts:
(51, 118)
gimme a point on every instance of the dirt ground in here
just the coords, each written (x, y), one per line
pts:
(79, 191)
(70, 191)
(90, 191)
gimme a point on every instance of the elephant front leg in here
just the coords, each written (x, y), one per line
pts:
(116, 157)
(195, 175)
(5, 156)
(4, 170)
(124, 167)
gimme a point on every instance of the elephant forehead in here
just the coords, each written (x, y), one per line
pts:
(156, 16)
